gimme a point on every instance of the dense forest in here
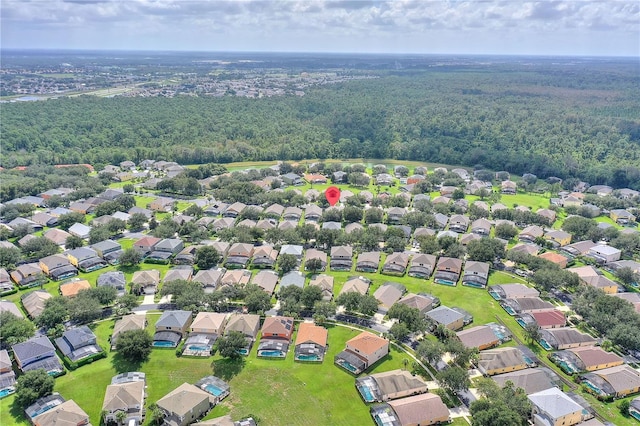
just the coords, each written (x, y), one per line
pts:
(570, 120)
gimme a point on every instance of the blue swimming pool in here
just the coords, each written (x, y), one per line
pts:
(197, 348)
(346, 365)
(509, 310)
(593, 387)
(213, 390)
(272, 354)
(163, 344)
(494, 295)
(445, 282)
(568, 368)
(521, 322)
(472, 284)
(545, 345)
(367, 394)
(635, 415)
(308, 357)
(243, 351)
(6, 391)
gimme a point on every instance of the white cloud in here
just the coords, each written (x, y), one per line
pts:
(328, 25)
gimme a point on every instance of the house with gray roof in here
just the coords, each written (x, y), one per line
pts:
(389, 385)
(422, 265)
(292, 278)
(185, 404)
(37, 352)
(8, 306)
(78, 343)
(368, 261)
(512, 291)
(7, 375)
(481, 226)
(113, 279)
(109, 250)
(613, 382)
(80, 230)
(532, 380)
(388, 294)
(28, 275)
(449, 318)
(422, 302)
(501, 360)
(565, 338)
(209, 278)
(554, 407)
(5, 281)
(356, 284)
(341, 258)
(181, 272)
(448, 270)
(66, 413)
(325, 282)
(476, 274)
(396, 263)
(146, 280)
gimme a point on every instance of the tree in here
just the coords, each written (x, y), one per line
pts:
(32, 385)
(13, 329)
(323, 310)
(287, 262)
(83, 308)
(485, 250)
(352, 214)
(429, 351)
(624, 407)
(134, 345)
(136, 221)
(39, 247)
(9, 257)
(627, 276)
(99, 233)
(373, 215)
(458, 194)
(429, 244)
(313, 265)
(506, 231)
(56, 311)
(311, 294)
(368, 305)
(73, 242)
(411, 317)
(549, 278)
(65, 221)
(207, 257)
(350, 300)
(532, 332)
(399, 331)
(257, 301)
(105, 295)
(455, 379)
(128, 188)
(231, 344)
(116, 226)
(130, 257)
(506, 406)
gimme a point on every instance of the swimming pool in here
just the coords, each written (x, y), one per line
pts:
(308, 357)
(272, 354)
(521, 322)
(472, 284)
(509, 310)
(243, 351)
(6, 391)
(545, 345)
(348, 366)
(197, 348)
(593, 387)
(367, 394)
(635, 415)
(494, 295)
(163, 344)
(445, 282)
(213, 390)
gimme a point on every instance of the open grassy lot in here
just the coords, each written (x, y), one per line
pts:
(270, 389)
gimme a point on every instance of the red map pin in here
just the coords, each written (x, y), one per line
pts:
(333, 195)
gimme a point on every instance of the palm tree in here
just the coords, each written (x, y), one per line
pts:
(121, 416)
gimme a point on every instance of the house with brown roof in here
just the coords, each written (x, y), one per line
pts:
(613, 382)
(388, 294)
(72, 288)
(587, 358)
(361, 352)
(368, 261)
(512, 291)
(532, 380)
(67, 413)
(448, 271)
(424, 409)
(481, 337)
(236, 277)
(248, 325)
(622, 217)
(127, 398)
(422, 265)
(508, 187)
(481, 226)
(341, 258)
(390, 385)
(530, 233)
(266, 280)
(292, 213)
(545, 318)
(264, 256)
(28, 275)
(209, 323)
(555, 258)
(127, 323)
(395, 264)
(57, 267)
(325, 282)
(162, 204)
(239, 255)
(146, 281)
(476, 274)
(146, 244)
(33, 302)
(565, 338)
(501, 360)
(525, 305)
(357, 284)
(558, 237)
(420, 302)
(276, 337)
(591, 276)
(316, 254)
(311, 343)
(185, 404)
(5, 281)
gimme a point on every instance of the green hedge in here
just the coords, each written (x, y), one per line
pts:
(74, 365)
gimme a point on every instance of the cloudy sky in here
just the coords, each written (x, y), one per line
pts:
(579, 27)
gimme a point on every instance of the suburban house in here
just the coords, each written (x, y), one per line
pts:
(555, 258)
(168, 245)
(58, 236)
(459, 223)
(558, 238)
(78, 343)
(481, 226)
(395, 214)
(72, 288)
(185, 404)
(325, 282)
(33, 302)
(481, 337)
(292, 179)
(579, 248)
(421, 302)
(80, 230)
(146, 282)
(295, 278)
(548, 214)
(146, 245)
(357, 284)
(361, 352)
(182, 273)
(204, 331)
(312, 213)
(125, 397)
(395, 263)
(552, 407)
(161, 204)
(294, 250)
(264, 256)
(341, 258)
(7, 375)
(588, 358)
(448, 271)
(525, 305)
(239, 255)
(172, 326)
(247, 324)
(316, 254)
(57, 267)
(86, 259)
(388, 294)
(222, 223)
(613, 382)
(236, 277)
(311, 342)
(266, 280)
(508, 187)
(274, 211)
(501, 360)
(44, 219)
(512, 291)
(530, 233)
(276, 337)
(476, 274)
(634, 409)
(12, 308)
(109, 250)
(292, 213)
(5, 281)
(389, 385)
(66, 413)
(127, 323)
(424, 409)
(532, 380)
(622, 217)
(209, 278)
(422, 265)
(565, 338)
(449, 318)
(546, 318)
(35, 353)
(603, 253)
(591, 276)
